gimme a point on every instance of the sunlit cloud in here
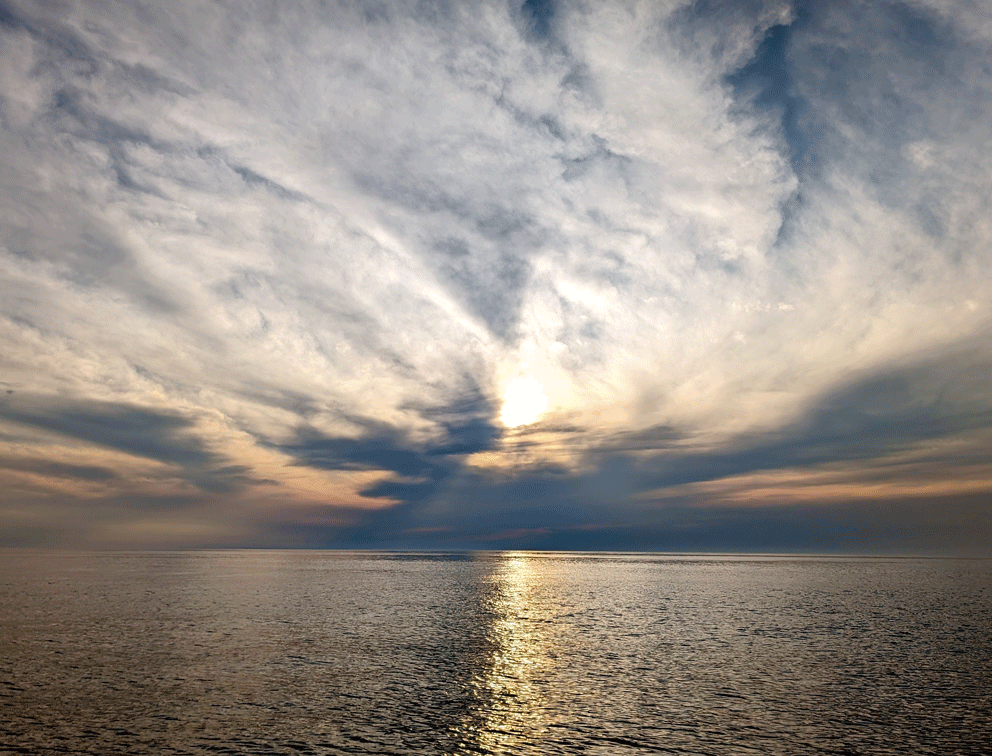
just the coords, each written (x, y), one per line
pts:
(332, 275)
(524, 401)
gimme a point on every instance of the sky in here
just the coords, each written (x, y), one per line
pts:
(667, 275)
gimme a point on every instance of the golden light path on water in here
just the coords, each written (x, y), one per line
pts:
(516, 681)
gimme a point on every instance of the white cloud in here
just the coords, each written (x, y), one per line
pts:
(284, 215)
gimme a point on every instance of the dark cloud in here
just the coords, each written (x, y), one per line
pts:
(538, 16)
(256, 179)
(226, 479)
(471, 508)
(864, 421)
(867, 87)
(561, 513)
(382, 448)
(650, 439)
(490, 288)
(888, 412)
(159, 435)
(42, 21)
(74, 113)
(950, 524)
(52, 469)
(599, 156)
(466, 427)
(142, 78)
(766, 82)
(8, 16)
(486, 268)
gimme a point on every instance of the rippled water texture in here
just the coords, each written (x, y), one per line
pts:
(333, 653)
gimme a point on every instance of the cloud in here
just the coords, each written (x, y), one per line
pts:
(134, 430)
(164, 437)
(297, 254)
(59, 469)
(418, 468)
(903, 433)
(940, 397)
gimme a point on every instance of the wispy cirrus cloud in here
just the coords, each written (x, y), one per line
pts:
(280, 263)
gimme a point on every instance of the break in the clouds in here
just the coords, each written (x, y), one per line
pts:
(682, 275)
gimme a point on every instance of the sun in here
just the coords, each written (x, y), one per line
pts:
(524, 401)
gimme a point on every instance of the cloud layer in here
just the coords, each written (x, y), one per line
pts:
(267, 272)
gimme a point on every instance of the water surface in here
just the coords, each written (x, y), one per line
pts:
(255, 652)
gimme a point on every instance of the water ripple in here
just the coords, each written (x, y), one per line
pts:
(357, 653)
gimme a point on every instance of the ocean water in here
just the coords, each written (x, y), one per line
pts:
(254, 652)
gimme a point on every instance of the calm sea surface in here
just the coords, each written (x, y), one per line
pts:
(495, 653)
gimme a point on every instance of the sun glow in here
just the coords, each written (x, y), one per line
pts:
(524, 401)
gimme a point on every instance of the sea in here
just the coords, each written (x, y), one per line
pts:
(331, 652)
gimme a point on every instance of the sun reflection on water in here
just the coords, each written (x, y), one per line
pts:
(514, 684)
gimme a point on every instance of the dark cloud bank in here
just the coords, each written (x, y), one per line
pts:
(619, 500)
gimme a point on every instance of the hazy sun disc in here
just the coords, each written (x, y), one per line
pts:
(523, 402)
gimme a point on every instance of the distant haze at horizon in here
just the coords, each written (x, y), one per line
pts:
(705, 276)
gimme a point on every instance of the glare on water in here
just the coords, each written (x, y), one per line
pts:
(492, 653)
